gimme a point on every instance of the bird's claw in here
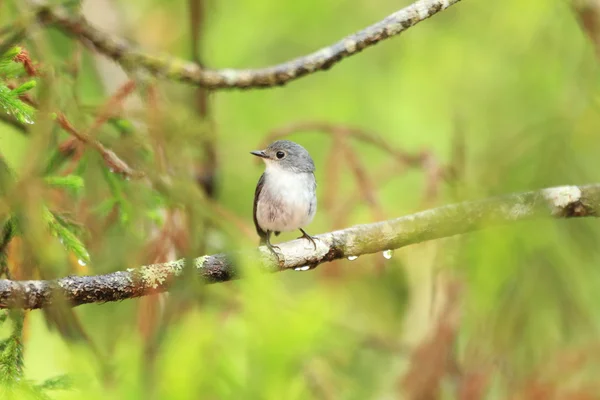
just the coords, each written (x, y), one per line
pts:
(310, 238)
(275, 253)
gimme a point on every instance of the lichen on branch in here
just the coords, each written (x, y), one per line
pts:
(177, 69)
(445, 221)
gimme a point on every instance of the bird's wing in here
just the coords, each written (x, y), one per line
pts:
(259, 186)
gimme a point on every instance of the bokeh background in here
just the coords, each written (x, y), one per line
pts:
(483, 99)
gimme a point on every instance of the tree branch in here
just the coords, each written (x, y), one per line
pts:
(181, 70)
(450, 220)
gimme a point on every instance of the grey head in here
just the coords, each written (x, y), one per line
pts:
(286, 155)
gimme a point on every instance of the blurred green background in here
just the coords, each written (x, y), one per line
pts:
(512, 85)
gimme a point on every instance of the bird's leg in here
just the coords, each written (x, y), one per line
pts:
(307, 236)
(267, 242)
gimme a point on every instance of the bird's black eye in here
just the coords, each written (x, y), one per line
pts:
(280, 154)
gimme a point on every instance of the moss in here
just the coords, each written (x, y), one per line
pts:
(155, 275)
(199, 261)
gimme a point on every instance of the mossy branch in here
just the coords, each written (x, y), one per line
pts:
(173, 68)
(450, 220)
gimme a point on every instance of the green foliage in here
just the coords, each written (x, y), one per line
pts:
(517, 80)
(59, 228)
(8, 67)
(70, 182)
(11, 103)
(9, 99)
(11, 350)
(24, 113)
(122, 125)
(60, 382)
(13, 384)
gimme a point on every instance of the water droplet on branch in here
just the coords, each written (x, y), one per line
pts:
(81, 262)
(387, 254)
(304, 268)
(352, 258)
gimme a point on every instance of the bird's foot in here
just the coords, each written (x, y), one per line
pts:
(275, 253)
(310, 238)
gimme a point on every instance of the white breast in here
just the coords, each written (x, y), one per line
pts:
(287, 200)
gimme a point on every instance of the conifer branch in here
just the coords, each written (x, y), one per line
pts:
(15, 123)
(173, 68)
(450, 220)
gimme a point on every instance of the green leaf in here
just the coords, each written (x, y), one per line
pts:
(116, 188)
(61, 382)
(3, 316)
(4, 342)
(11, 356)
(124, 126)
(8, 56)
(11, 103)
(55, 161)
(8, 67)
(24, 87)
(72, 182)
(69, 240)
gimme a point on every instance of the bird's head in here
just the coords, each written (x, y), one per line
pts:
(286, 155)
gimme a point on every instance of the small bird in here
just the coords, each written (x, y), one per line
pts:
(286, 194)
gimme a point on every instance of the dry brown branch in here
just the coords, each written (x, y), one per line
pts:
(207, 170)
(30, 67)
(333, 162)
(345, 131)
(74, 146)
(382, 176)
(69, 147)
(433, 176)
(111, 107)
(588, 14)
(568, 364)
(115, 163)
(364, 183)
(429, 361)
(473, 385)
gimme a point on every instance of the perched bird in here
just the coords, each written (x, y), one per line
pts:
(286, 194)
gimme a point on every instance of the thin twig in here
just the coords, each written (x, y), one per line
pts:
(435, 173)
(429, 361)
(434, 176)
(588, 13)
(333, 162)
(28, 65)
(181, 70)
(344, 130)
(446, 221)
(73, 146)
(110, 106)
(349, 203)
(110, 158)
(365, 185)
(69, 146)
(207, 171)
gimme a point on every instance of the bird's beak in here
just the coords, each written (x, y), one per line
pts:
(259, 153)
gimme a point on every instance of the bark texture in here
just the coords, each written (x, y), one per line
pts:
(450, 220)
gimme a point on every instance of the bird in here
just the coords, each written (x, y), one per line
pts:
(285, 198)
